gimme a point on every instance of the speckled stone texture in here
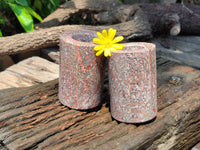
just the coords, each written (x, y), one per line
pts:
(81, 78)
(132, 83)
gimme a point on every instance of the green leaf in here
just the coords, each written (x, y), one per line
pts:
(33, 13)
(3, 5)
(56, 2)
(1, 33)
(22, 2)
(52, 2)
(23, 16)
(2, 20)
(37, 4)
(29, 2)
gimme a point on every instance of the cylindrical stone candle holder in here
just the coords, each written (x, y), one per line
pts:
(81, 76)
(132, 83)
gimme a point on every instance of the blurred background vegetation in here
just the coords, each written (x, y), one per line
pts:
(19, 15)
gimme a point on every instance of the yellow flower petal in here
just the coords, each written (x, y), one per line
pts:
(99, 52)
(111, 33)
(99, 47)
(107, 52)
(97, 41)
(100, 36)
(117, 39)
(118, 46)
(113, 49)
(104, 33)
(107, 42)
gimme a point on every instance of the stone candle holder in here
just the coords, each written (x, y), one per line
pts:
(132, 83)
(81, 72)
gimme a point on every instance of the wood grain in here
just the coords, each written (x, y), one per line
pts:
(33, 118)
(181, 49)
(48, 37)
(189, 17)
(31, 71)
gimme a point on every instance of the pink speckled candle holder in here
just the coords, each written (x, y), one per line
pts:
(132, 83)
(81, 77)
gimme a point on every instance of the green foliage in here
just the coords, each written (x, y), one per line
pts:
(25, 10)
(33, 13)
(1, 33)
(46, 7)
(2, 23)
(22, 2)
(23, 16)
(23, 13)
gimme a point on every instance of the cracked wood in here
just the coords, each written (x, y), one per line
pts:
(33, 118)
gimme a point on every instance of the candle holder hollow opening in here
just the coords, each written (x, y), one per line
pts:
(83, 37)
(132, 83)
(81, 72)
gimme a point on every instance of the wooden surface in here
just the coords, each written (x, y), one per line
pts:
(181, 49)
(31, 71)
(52, 54)
(5, 62)
(98, 12)
(189, 17)
(48, 37)
(33, 118)
(196, 147)
(66, 11)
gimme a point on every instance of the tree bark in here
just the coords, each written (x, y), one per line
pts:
(189, 17)
(164, 18)
(43, 38)
(169, 19)
(71, 8)
(56, 18)
(33, 118)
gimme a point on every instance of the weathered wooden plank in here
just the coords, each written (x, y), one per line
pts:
(2, 147)
(181, 49)
(33, 118)
(52, 53)
(196, 147)
(28, 72)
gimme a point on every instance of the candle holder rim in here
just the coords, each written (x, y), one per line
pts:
(132, 44)
(68, 37)
(146, 45)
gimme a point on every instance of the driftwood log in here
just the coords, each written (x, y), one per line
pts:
(161, 20)
(42, 38)
(33, 118)
(71, 8)
(164, 18)
(132, 23)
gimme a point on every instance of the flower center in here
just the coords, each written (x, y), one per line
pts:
(108, 44)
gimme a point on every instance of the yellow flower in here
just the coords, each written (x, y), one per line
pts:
(107, 42)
